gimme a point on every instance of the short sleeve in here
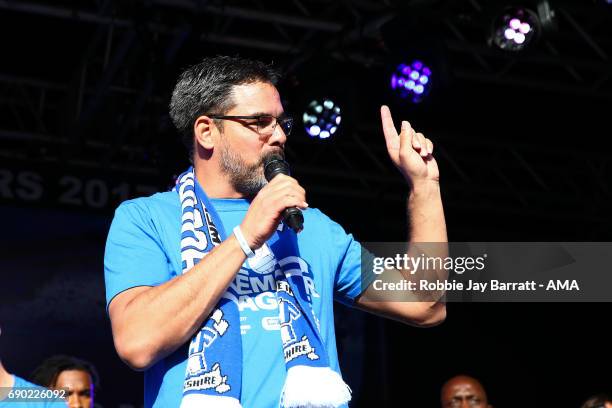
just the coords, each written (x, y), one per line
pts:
(133, 256)
(21, 383)
(351, 279)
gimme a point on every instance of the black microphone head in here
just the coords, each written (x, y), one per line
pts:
(274, 165)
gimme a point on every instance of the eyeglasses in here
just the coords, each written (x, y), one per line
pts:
(264, 124)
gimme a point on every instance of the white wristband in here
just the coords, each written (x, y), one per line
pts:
(243, 244)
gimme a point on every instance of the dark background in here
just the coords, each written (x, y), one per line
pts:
(520, 141)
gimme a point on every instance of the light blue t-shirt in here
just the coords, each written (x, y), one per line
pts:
(143, 249)
(22, 384)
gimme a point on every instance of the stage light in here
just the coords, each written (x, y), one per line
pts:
(411, 81)
(515, 29)
(322, 118)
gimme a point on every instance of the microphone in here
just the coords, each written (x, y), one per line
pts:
(273, 166)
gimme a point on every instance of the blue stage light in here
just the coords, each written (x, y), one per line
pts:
(411, 81)
(322, 118)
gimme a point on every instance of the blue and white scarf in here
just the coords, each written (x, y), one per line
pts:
(214, 366)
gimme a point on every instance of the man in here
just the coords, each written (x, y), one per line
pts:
(11, 384)
(463, 391)
(212, 264)
(598, 401)
(78, 377)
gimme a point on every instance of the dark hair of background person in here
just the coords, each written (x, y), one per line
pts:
(206, 87)
(597, 401)
(47, 372)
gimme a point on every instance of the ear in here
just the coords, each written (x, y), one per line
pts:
(203, 129)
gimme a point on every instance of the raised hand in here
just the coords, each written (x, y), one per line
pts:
(410, 151)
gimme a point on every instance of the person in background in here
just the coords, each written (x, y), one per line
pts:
(598, 401)
(79, 377)
(463, 391)
(10, 382)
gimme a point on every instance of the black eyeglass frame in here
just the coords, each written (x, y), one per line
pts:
(282, 120)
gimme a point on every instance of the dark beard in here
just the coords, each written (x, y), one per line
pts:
(245, 179)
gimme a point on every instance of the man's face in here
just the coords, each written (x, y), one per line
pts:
(464, 393)
(80, 388)
(242, 149)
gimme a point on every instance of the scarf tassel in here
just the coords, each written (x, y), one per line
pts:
(314, 387)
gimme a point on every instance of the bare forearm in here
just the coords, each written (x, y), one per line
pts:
(160, 319)
(426, 213)
(428, 236)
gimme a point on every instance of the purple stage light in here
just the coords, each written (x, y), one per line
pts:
(322, 118)
(411, 81)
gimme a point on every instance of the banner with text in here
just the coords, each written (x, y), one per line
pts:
(488, 271)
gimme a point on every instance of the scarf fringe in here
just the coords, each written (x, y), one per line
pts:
(314, 387)
(210, 401)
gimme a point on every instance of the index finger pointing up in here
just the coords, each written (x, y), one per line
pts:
(391, 136)
(395, 141)
(387, 121)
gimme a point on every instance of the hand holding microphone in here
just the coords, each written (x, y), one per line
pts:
(281, 199)
(292, 216)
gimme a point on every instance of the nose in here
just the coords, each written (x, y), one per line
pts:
(278, 137)
(74, 402)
